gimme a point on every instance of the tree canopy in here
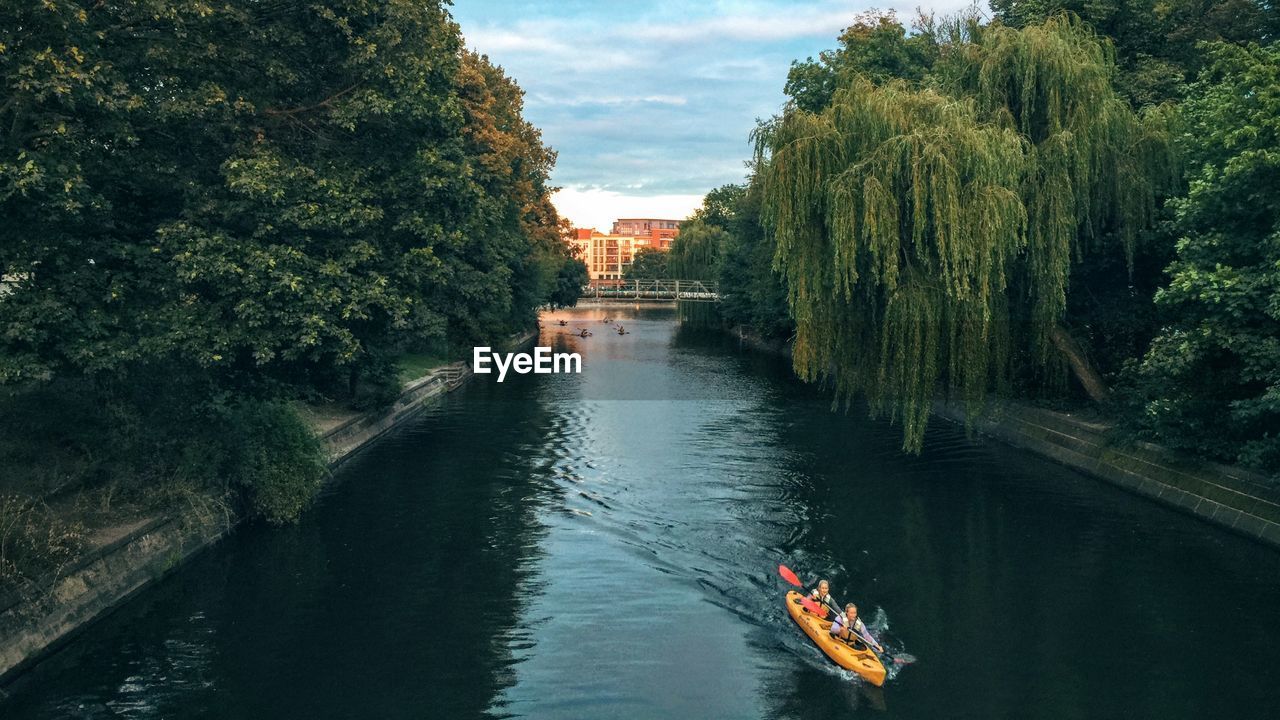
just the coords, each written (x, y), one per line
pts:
(257, 188)
(648, 264)
(921, 230)
(1211, 380)
(1156, 42)
(212, 207)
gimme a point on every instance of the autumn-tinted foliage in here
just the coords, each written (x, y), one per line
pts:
(279, 196)
(254, 187)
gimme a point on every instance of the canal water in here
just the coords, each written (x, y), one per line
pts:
(605, 545)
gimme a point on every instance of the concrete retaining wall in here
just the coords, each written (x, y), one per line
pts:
(1233, 498)
(1242, 501)
(342, 441)
(36, 620)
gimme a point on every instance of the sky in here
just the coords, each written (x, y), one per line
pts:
(650, 104)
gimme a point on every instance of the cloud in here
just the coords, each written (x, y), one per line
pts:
(544, 42)
(609, 100)
(650, 103)
(771, 24)
(503, 41)
(599, 208)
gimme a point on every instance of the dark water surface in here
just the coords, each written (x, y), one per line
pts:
(605, 545)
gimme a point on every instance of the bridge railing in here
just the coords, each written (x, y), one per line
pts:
(690, 290)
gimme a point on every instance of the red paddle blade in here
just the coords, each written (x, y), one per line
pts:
(789, 576)
(813, 607)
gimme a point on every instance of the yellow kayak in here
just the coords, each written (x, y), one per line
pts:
(855, 655)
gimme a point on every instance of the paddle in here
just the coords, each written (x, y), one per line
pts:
(820, 611)
(789, 576)
(792, 578)
(813, 607)
(883, 654)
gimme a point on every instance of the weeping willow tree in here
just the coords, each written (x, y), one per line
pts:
(695, 255)
(922, 231)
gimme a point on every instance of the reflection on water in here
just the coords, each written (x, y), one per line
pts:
(605, 545)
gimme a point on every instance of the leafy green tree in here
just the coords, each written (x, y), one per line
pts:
(250, 200)
(1211, 380)
(1155, 42)
(514, 217)
(570, 280)
(648, 264)
(922, 233)
(751, 293)
(720, 206)
(1111, 308)
(876, 46)
(260, 190)
(695, 253)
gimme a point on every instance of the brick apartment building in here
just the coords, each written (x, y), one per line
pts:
(608, 256)
(658, 232)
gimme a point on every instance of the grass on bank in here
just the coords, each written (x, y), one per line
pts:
(80, 458)
(411, 366)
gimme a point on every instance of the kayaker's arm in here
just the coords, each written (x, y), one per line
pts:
(837, 624)
(865, 634)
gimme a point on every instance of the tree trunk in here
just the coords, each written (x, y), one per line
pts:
(1080, 365)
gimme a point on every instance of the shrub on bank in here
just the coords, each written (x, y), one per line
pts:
(280, 465)
(102, 452)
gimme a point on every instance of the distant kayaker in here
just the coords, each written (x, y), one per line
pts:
(822, 595)
(848, 624)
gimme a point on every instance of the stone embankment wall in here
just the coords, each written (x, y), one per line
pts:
(36, 620)
(1237, 499)
(1231, 497)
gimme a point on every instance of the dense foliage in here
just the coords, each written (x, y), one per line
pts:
(648, 264)
(269, 198)
(1155, 42)
(975, 205)
(876, 46)
(570, 280)
(1211, 380)
(923, 232)
(695, 253)
(254, 188)
(751, 296)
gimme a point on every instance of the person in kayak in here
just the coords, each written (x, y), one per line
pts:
(822, 596)
(848, 625)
